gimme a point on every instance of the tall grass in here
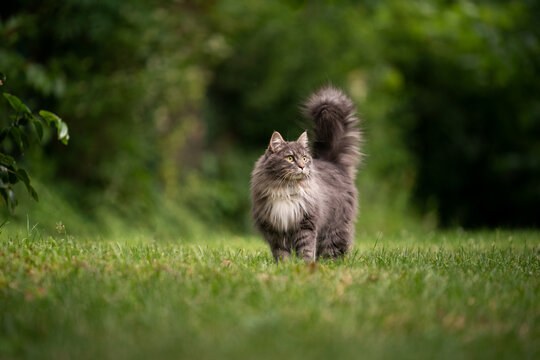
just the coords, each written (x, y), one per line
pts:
(439, 295)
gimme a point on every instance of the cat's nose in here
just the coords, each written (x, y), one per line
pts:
(301, 166)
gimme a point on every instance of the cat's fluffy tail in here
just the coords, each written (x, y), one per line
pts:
(337, 137)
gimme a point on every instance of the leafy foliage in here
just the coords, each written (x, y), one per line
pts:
(164, 95)
(18, 131)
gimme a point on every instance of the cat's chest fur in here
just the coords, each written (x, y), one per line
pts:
(286, 206)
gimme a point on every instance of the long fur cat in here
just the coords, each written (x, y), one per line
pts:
(306, 201)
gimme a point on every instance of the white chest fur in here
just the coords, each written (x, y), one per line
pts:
(286, 207)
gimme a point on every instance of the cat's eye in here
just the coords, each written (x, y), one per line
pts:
(304, 158)
(289, 158)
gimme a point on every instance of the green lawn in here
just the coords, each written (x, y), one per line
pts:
(418, 296)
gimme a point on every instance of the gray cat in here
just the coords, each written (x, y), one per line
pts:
(307, 201)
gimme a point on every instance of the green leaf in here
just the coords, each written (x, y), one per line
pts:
(51, 118)
(12, 177)
(39, 128)
(63, 134)
(8, 161)
(16, 136)
(23, 175)
(29, 117)
(4, 175)
(33, 193)
(10, 199)
(17, 104)
(25, 140)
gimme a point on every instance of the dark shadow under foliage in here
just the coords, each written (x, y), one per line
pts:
(476, 128)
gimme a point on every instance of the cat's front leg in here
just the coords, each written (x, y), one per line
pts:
(305, 243)
(278, 244)
(280, 254)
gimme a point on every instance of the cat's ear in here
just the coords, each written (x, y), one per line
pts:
(303, 140)
(276, 142)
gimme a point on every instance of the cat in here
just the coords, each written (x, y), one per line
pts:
(306, 201)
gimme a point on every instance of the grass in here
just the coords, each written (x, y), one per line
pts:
(444, 295)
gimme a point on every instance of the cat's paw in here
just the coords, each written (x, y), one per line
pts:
(281, 255)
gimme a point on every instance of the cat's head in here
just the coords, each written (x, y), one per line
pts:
(289, 160)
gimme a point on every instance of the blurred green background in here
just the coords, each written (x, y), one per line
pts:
(169, 104)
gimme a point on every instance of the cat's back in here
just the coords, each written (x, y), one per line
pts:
(332, 177)
(338, 204)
